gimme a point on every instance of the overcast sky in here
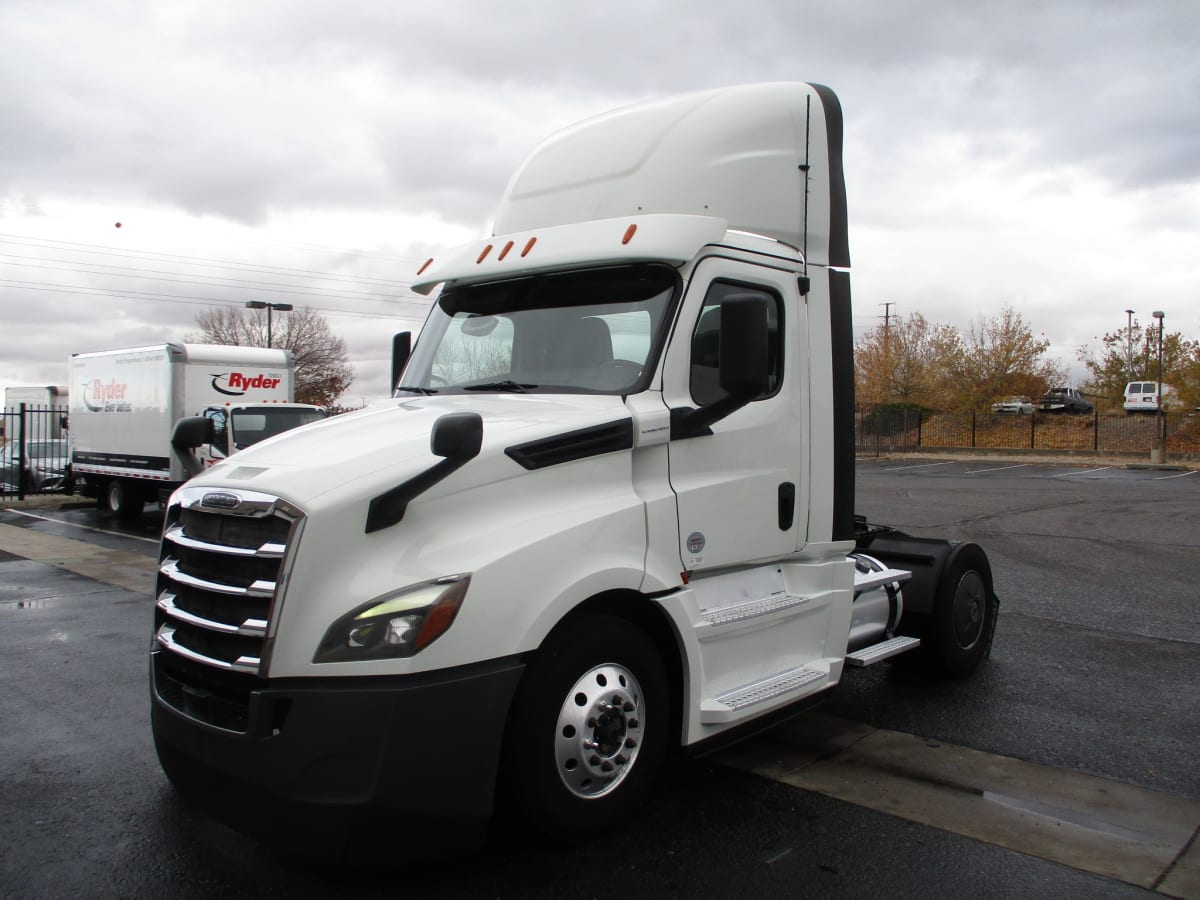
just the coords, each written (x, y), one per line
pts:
(1043, 155)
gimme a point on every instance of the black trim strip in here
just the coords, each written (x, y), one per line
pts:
(580, 444)
(122, 460)
(842, 377)
(839, 240)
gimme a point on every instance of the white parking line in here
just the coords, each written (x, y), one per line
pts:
(1180, 475)
(997, 469)
(922, 466)
(1080, 472)
(132, 537)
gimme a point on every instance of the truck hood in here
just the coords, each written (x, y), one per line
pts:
(364, 453)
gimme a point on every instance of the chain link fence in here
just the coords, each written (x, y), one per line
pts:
(890, 430)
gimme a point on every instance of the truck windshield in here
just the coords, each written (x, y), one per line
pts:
(597, 331)
(253, 425)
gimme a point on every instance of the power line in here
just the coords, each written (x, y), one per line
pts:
(181, 298)
(77, 247)
(213, 280)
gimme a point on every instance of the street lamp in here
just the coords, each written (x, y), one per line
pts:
(262, 304)
(1158, 452)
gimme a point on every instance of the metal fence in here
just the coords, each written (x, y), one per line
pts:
(34, 455)
(890, 430)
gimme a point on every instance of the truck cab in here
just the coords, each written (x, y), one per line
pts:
(608, 512)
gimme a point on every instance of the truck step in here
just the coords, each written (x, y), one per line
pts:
(725, 707)
(868, 656)
(732, 615)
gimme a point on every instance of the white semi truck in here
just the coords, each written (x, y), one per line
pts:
(608, 514)
(125, 403)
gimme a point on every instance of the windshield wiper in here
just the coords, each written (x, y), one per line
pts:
(416, 390)
(513, 386)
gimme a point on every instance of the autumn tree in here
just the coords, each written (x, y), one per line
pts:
(1000, 357)
(903, 362)
(323, 371)
(1131, 354)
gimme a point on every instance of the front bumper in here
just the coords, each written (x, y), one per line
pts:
(342, 769)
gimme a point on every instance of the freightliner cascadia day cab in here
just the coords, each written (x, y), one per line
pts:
(125, 403)
(608, 513)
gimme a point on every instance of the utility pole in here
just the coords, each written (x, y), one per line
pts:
(1129, 345)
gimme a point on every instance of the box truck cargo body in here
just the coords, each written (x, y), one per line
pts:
(125, 403)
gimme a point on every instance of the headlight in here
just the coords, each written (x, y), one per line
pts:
(397, 624)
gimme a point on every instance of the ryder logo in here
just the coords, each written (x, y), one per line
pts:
(99, 396)
(235, 384)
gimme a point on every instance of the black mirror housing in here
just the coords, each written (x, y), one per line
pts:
(744, 342)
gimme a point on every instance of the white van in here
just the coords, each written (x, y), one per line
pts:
(1142, 396)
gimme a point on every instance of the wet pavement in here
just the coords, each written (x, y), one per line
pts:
(1092, 677)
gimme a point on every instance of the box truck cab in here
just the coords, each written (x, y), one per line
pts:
(608, 513)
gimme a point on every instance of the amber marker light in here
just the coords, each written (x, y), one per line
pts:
(483, 255)
(629, 233)
(504, 252)
(428, 263)
(528, 246)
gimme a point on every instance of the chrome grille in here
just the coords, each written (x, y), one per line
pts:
(220, 573)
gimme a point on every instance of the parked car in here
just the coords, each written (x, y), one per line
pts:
(1019, 406)
(1065, 400)
(45, 462)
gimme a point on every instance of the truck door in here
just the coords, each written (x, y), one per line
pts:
(740, 491)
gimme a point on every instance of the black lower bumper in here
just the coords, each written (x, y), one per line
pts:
(343, 769)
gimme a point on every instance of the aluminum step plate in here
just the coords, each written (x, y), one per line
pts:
(868, 656)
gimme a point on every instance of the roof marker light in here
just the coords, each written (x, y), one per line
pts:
(504, 252)
(629, 233)
(483, 255)
(428, 263)
(528, 246)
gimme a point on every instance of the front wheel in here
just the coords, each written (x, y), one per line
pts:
(122, 501)
(588, 730)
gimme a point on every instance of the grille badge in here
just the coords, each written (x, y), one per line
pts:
(221, 500)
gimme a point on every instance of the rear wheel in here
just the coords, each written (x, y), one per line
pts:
(959, 632)
(588, 730)
(122, 500)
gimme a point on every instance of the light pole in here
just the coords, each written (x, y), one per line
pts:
(1158, 452)
(1129, 345)
(262, 304)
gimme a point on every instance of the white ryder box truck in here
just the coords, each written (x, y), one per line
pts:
(609, 511)
(125, 403)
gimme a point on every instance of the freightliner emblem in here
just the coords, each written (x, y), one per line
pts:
(219, 500)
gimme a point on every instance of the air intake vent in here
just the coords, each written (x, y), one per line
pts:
(574, 445)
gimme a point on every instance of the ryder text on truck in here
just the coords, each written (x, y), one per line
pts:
(609, 511)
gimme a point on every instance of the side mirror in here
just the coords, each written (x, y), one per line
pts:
(401, 349)
(744, 343)
(188, 434)
(743, 370)
(457, 436)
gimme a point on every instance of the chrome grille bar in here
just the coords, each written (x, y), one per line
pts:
(250, 627)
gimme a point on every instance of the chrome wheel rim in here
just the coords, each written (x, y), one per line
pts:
(599, 731)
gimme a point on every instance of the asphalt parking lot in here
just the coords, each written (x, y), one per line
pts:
(1064, 767)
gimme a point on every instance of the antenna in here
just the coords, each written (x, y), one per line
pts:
(805, 167)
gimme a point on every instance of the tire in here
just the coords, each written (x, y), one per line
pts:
(122, 500)
(588, 729)
(960, 629)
